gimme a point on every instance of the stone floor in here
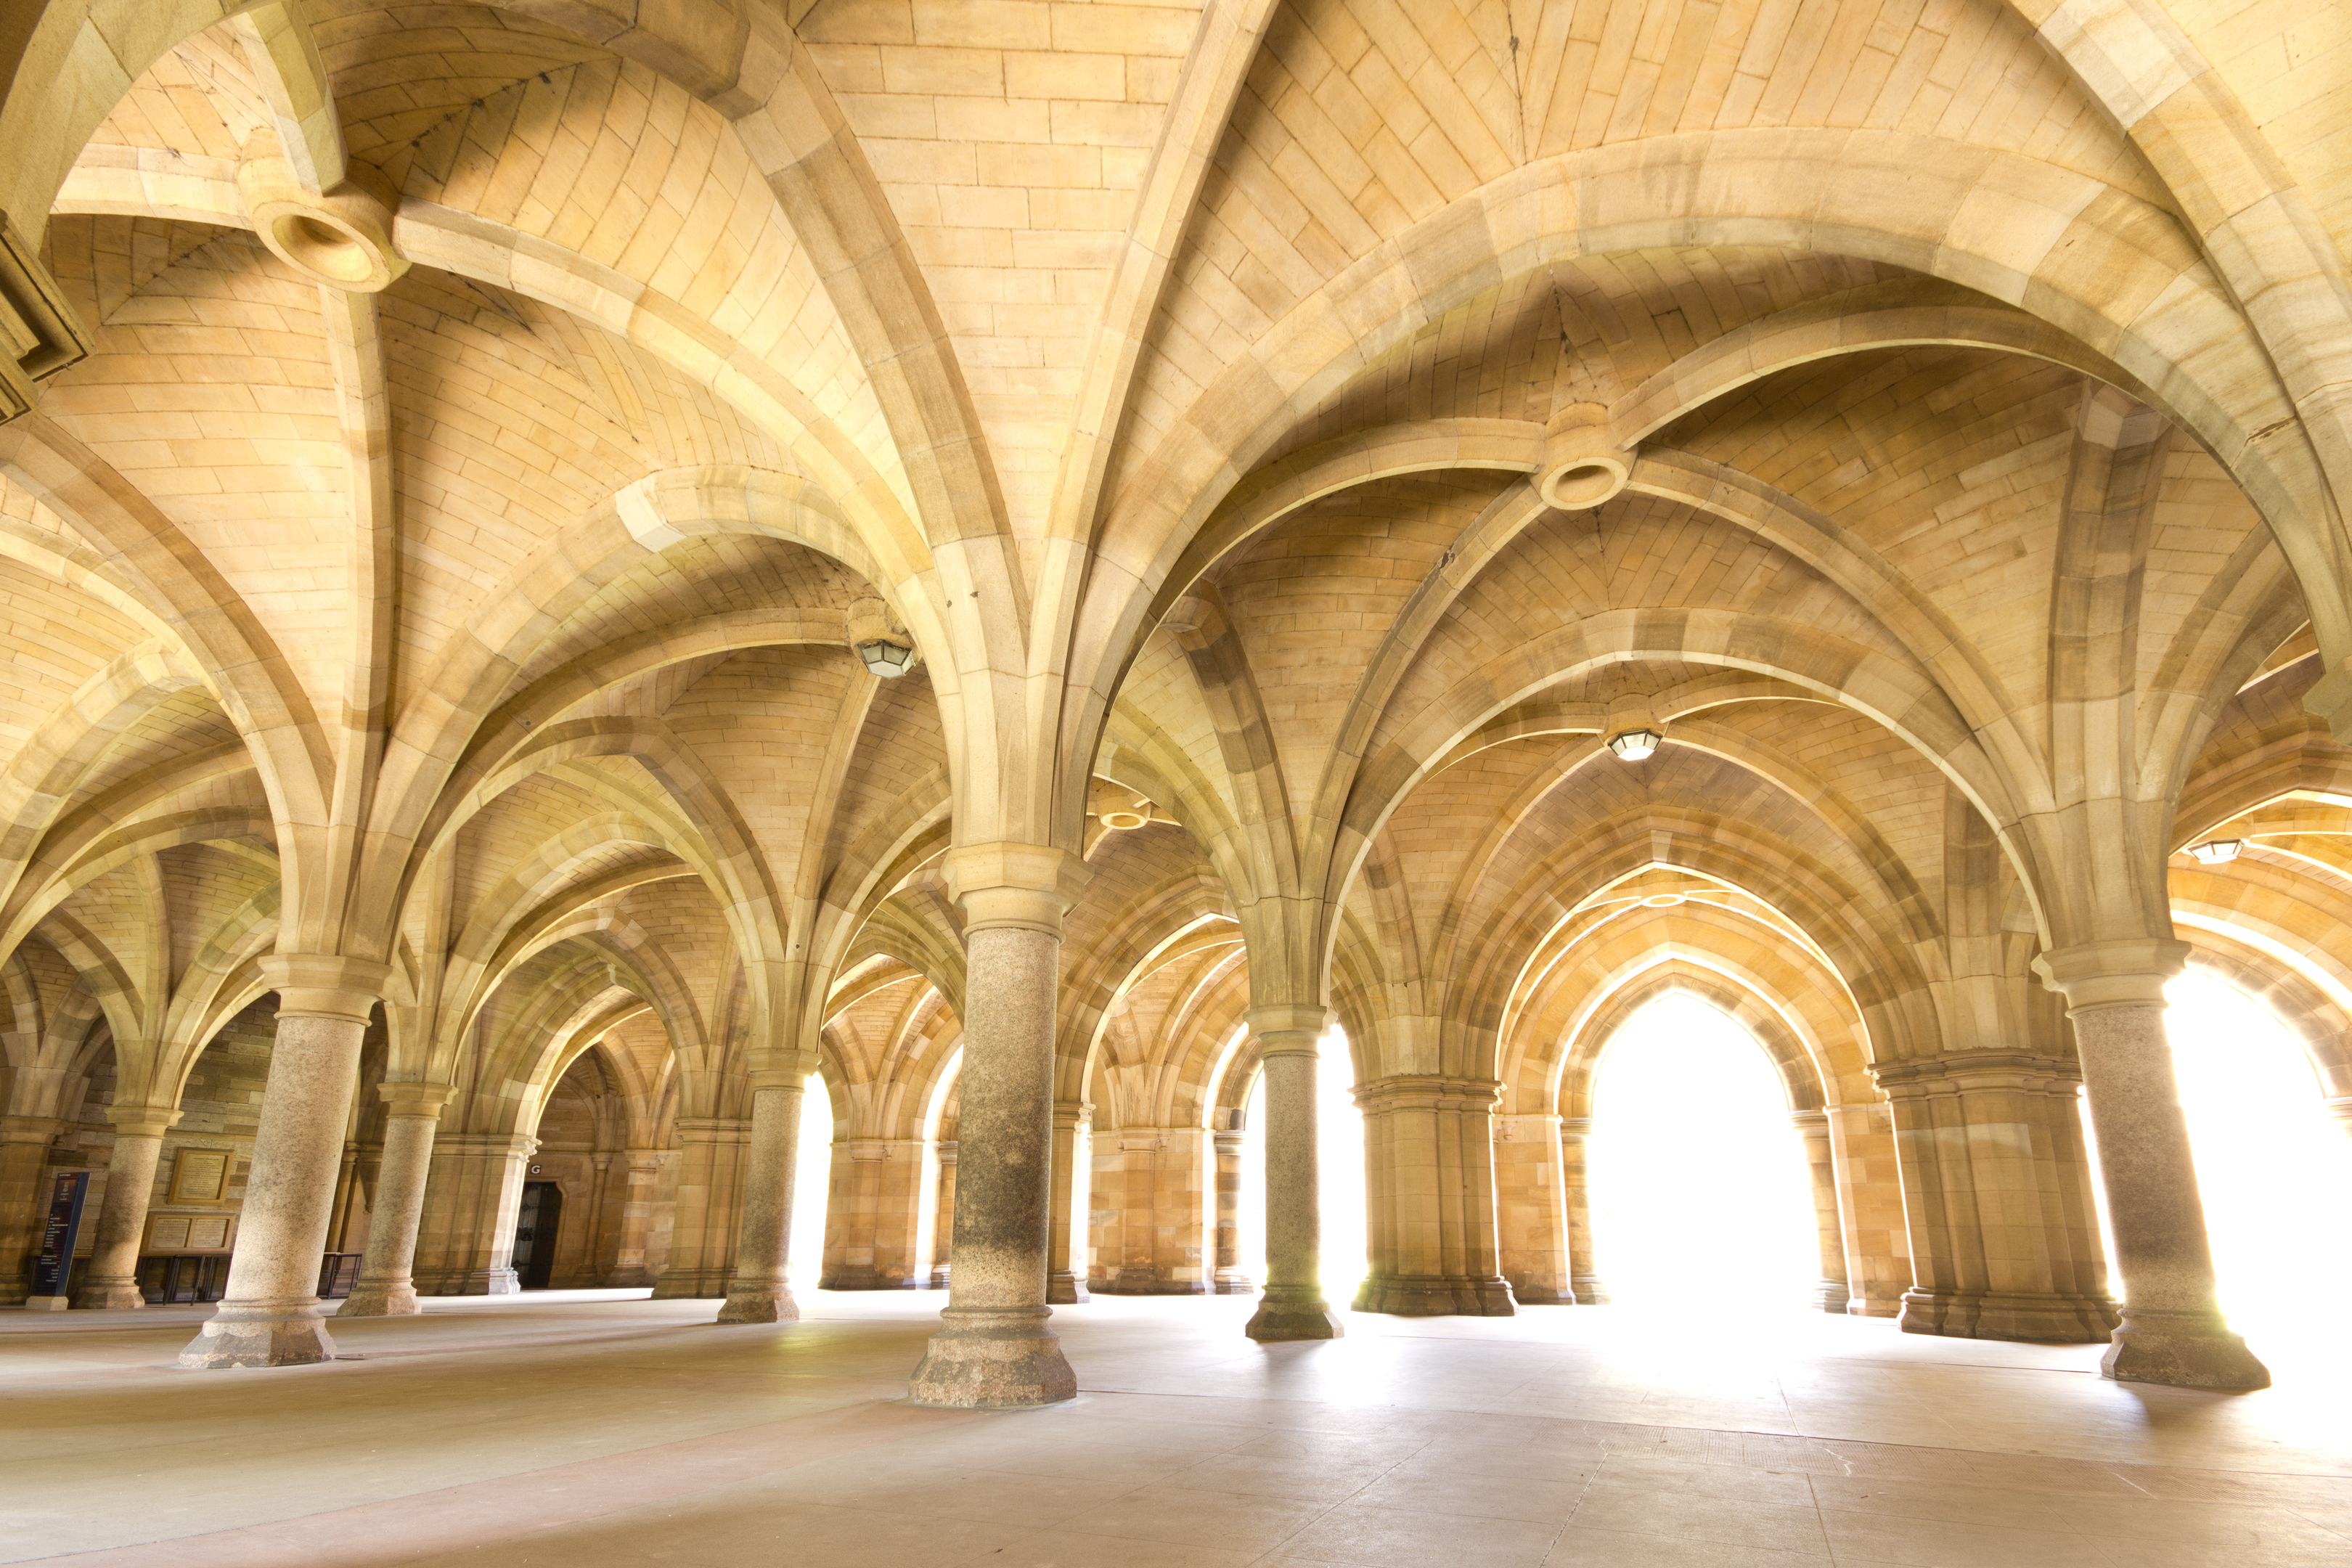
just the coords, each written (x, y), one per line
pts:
(588, 1429)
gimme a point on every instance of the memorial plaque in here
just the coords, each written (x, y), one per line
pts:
(166, 1233)
(208, 1233)
(199, 1176)
(61, 1232)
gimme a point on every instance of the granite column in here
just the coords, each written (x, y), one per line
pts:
(993, 1350)
(1290, 1040)
(272, 1315)
(387, 1288)
(2172, 1331)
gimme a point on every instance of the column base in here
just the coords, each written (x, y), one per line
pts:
(47, 1303)
(107, 1296)
(1590, 1290)
(939, 1277)
(688, 1285)
(1830, 1296)
(2184, 1349)
(856, 1277)
(1542, 1295)
(1233, 1283)
(368, 1301)
(759, 1301)
(1145, 1285)
(261, 1334)
(631, 1279)
(1065, 1290)
(493, 1282)
(1288, 1317)
(993, 1360)
(2042, 1320)
(1436, 1296)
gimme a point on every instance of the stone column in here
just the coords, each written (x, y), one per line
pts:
(1870, 1208)
(1290, 1040)
(473, 1201)
(1996, 1189)
(24, 1199)
(1067, 1241)
(1531, 1217)
(387, 1288)
(1831, 1292)
(846, 1259)
(757, 1291)
(902, 1231)
(1429, 1151)
(1230, 1279)
(600, 1193)
(994, 1349)
(2173, 1331)
(641, 1175)
(709, 1206)
(1575, 1195)
(272, 1315)
(111, 1280)
(1155, 1223)
(876, 1235)
(943, 1240)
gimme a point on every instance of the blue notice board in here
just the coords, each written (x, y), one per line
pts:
(62, 1234)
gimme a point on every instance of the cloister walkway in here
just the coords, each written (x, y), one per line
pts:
(597, 1428)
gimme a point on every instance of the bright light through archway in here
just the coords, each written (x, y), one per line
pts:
(812, 1175)
(1698, 1183)
(2269, 1160)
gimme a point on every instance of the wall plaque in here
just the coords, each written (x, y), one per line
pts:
(199, 1176)
(188, 1233)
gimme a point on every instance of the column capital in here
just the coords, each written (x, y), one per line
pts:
(2127, 973)
(1951, 1070)
(1289, 1029)
(1526, 1127)
(782, 1069)
(1071, 1113)
(713, 1128)
(1429, 1091)
(143, 1121)
(1026, 887)
(325, 984)
(30, 1129)
(499, 1145)
(423, 1099)
(1817, 1119)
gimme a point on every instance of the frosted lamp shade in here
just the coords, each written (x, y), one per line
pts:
(888, 659)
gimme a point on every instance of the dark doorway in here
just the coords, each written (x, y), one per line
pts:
(535, 1231)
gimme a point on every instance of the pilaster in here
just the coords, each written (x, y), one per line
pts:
(1430, 1158)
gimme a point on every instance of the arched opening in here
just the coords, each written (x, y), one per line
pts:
(1696, 1178)
(2269, 1158)
(1339, 1159)
(811, 1179)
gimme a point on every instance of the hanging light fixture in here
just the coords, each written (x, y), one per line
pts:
(2217, 851)
(884, 647)
(1633, 730)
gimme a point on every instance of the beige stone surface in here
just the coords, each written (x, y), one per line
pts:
(442, 445)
